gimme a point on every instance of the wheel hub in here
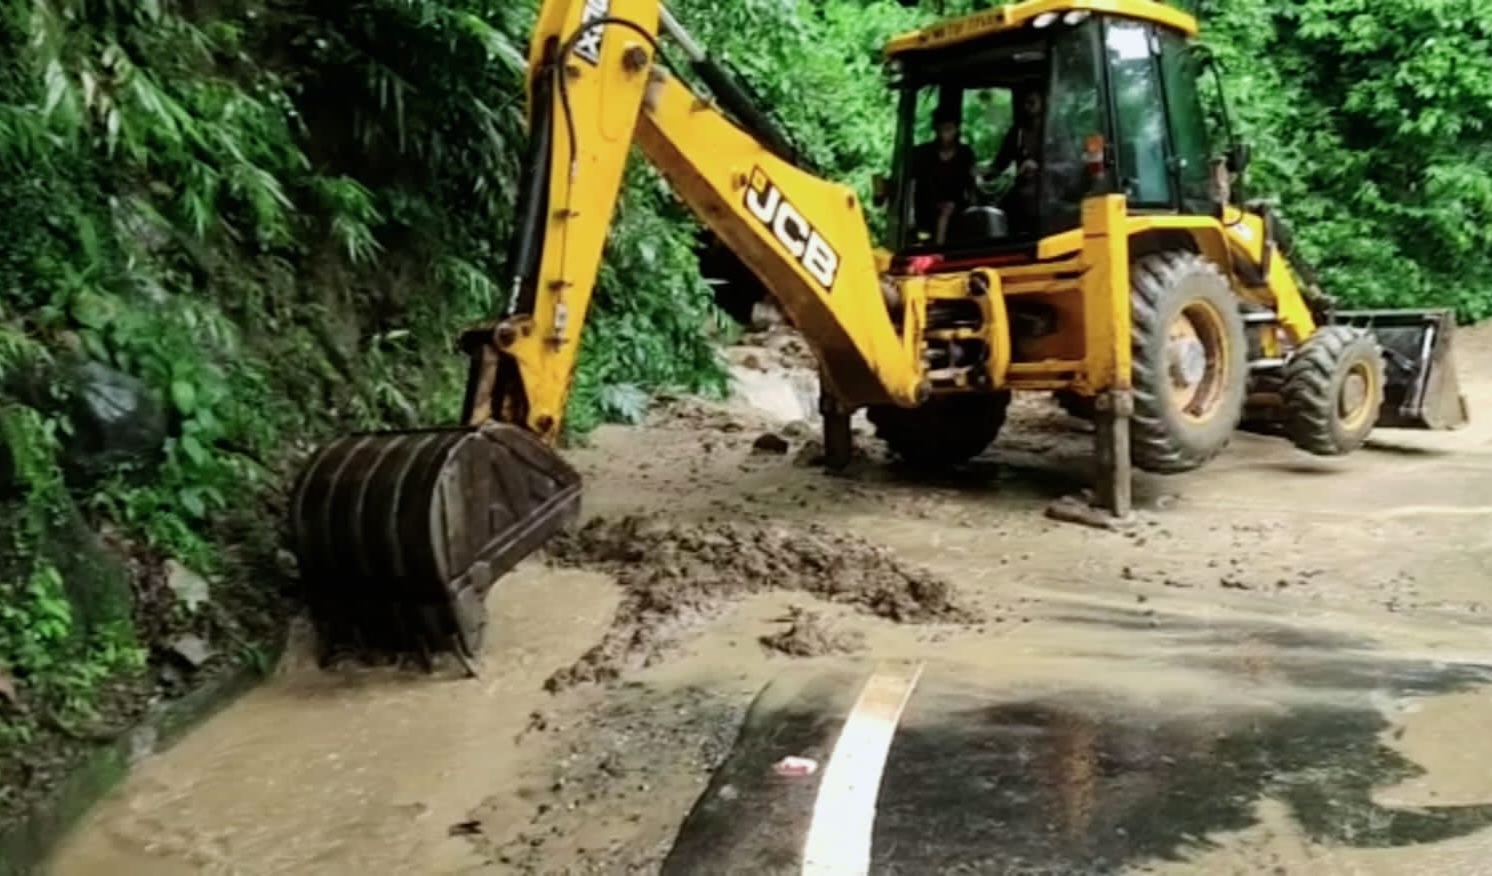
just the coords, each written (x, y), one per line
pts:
(1354, 393)
(1192, 363)
(1188, 362)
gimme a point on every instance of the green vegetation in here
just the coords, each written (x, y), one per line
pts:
(242, 226)
(1372, 126)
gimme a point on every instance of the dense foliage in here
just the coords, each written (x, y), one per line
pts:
(277, 215)
(1372, 126)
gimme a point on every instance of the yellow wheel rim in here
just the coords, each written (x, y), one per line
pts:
(1196, 361)
(1355, 398)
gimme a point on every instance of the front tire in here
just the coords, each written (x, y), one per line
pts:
(1190, 362)
(1333, 388)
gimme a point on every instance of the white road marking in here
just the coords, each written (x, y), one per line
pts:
(843, 821)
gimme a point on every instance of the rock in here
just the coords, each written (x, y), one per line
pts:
(116, 422)
(770, 443)
(765, 315)
(189, 587)
(1074, 509)
(193, 650)
(96, 579)
(141, 743)
(170, 676)
(774, 395)
(799, 430)
(465, 828)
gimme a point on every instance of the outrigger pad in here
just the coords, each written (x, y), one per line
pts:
(401, 535)
(1422, 390)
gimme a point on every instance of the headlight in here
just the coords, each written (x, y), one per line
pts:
(1076, 16)
(1045, 19)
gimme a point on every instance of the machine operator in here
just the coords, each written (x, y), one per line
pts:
(943, 175)
(945, 170)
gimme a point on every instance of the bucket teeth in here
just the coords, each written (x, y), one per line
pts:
(401, 535)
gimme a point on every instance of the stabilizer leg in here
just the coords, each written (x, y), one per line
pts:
(1114, 493)
(839, 439)
(1110, 505)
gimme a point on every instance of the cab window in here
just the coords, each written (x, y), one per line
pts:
(1189, 129)
(1075, 113)
(1140, 110)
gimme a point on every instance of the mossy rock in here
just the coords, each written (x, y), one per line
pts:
(98, 584)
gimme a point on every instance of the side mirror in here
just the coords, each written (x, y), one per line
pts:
(880, 190)
(1239, 156)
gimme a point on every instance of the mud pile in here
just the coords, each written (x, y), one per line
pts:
(675, 575)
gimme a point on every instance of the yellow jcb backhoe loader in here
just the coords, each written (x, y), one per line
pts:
(1118, 270)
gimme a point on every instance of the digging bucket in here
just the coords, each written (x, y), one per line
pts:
(1421, 389)
(401, 535)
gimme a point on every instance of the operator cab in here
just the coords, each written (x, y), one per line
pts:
(1082, 103)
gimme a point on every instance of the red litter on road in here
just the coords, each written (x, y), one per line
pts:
(796, 767)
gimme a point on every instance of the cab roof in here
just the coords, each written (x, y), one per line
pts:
(1017, 15)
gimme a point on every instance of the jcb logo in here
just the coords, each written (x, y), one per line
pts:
(767, 203)
(588, 44)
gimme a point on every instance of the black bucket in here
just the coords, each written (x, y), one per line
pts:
(401, 535)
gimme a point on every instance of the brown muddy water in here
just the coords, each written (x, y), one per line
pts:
(1291, 651)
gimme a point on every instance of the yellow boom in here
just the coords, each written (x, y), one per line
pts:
(804, 237)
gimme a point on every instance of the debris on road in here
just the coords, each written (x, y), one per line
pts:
(771, 443)
(809, 635)
(796, 767)
(677, 574)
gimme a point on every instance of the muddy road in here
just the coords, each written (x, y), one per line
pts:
(1296, 650)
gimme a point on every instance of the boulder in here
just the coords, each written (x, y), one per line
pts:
(117, 422)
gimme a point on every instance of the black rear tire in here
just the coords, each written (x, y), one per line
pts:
(1190, 362)
(1332, 390)
(945, 432)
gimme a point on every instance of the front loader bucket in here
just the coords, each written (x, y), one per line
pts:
(400, 535)
(1421, 389)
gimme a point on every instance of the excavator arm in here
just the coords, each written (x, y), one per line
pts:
(401, 536)
(598, 86)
